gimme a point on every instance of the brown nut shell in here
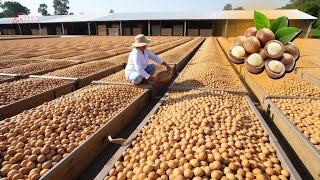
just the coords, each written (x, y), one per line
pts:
(254, 69)
(265, 35)
(238, 41)
(250, 32)
(272, 74)
(235, 59)
(262, 53)
(252, 45)
(292, 49)
(277, 56)
(288, 61)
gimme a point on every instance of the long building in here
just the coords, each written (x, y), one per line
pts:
(217, 23)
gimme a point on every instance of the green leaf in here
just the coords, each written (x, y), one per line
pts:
(287, 34)
(261, 20)
(279, 23)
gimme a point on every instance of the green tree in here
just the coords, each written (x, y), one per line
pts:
(43, 9)
(239, 8)
(11, 9)
(61, 7)
(227, 7)
(0, 9)
(111, 11)
(311, 7)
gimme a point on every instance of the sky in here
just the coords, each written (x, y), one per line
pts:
(103, 6)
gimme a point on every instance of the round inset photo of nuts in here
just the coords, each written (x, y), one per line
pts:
(267, 46)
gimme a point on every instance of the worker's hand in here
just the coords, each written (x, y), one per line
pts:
(153, 79)
(167, 66)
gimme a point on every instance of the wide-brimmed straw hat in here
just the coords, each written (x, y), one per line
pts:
(140, 40)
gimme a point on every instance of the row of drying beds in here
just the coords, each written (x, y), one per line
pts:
(308, 154)
(74, 164)
(60, 170)
(306, 151)
(313, 79)
(308, 77)
(13, 77)
(71, 84)
(15, 37)
(169, 45)
(118, 156)
(68, 53)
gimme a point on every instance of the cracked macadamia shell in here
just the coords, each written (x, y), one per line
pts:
(238, 52)
(275, 69)
(254, 63)
(274, 49)
(235, 59)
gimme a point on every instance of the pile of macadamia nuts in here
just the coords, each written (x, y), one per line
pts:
(4, 78)
(177, 54)
(23, 88)
(199, 75)
(200, 134)
(305, 114)
(116, 77)
(290, 85)
(260, 50)
(35, 67)
(210, 52)
(313, 71)
(82, 70)
(34, 141)
(173, 43)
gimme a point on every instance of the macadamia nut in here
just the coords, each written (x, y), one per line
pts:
(275, 66)
(274, 48)
(255, 59)
(238, 52)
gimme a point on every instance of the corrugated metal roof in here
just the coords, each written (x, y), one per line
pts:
(220, 15)
(6, 20)
(235, 14)
(271, 14)
(73, 18)
(156, 16)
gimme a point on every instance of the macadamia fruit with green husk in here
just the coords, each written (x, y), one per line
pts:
(255, 60)
(238, 52)
(275, 66)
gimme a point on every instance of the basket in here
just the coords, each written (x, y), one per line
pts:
(164, 76)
